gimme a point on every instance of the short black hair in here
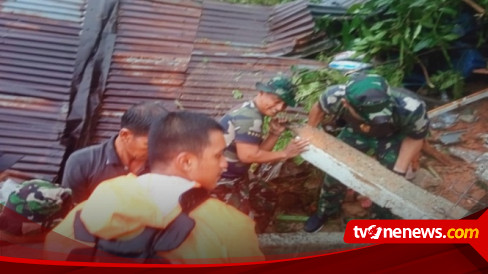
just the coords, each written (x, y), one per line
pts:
(178, 132)
(138, 118)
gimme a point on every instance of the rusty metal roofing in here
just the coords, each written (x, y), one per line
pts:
(38, 48)
(151, 55)
(195, 55)
(197, 58)
(215, 83)
(253, 30)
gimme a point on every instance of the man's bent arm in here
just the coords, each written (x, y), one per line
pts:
(315, 115)
(269, 143)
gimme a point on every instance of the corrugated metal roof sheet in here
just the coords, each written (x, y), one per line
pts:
(38, 48)
(197, 58)
(152, 52)
(212, 80)
(189, 54)
(229, 28)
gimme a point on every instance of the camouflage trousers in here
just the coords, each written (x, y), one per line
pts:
(385, 150)
(253, 197)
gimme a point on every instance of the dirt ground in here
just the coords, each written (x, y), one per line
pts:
(460, 184)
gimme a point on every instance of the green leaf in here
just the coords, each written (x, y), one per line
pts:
(381, 3)
(449, 11)
(237, 94)
(417, 32)
(376, 26)
(395, 39)
(355, 23)
(379, 35)
(407, 33)
(451, 37)
(422, 45)
(417, 3)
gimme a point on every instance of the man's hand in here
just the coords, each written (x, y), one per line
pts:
(295, 147)
(277, 126)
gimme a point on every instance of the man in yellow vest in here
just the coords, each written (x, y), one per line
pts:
(186, 160)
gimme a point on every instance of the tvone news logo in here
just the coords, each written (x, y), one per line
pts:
(374, 232)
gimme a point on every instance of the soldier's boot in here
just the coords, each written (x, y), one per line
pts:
(329, 203)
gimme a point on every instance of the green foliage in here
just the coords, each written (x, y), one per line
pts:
(449, 80)
(482, 20)
(237, 94)
(392, 72)
(311, 83)
(404, 28)
(401, 33)
(283, 140)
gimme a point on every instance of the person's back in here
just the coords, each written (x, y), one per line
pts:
(123, 208)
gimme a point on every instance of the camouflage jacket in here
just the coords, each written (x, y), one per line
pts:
(409, 111)
(241, 124)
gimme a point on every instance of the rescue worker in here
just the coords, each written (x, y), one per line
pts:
(387, 123)
(246, 144)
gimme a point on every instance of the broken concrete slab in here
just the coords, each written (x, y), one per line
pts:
(445, 120)
(368, 177)
(451, 137)
(482, 168)
(468, 155)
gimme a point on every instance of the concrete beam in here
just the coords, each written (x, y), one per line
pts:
(368, 177)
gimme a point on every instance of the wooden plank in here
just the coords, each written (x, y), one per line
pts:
(458, 103)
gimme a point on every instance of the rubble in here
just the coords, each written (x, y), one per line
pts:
(464, 178)
(467, 155)
(451, 137)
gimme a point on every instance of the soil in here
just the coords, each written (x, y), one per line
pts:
(460, 184)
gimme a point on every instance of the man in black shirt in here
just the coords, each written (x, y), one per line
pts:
(122, 154)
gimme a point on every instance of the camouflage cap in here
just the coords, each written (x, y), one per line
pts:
(281, 86)
(368, 95)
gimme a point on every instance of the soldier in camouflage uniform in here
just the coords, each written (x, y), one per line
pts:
(386, 123)
(246, 145)
(36, 201)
